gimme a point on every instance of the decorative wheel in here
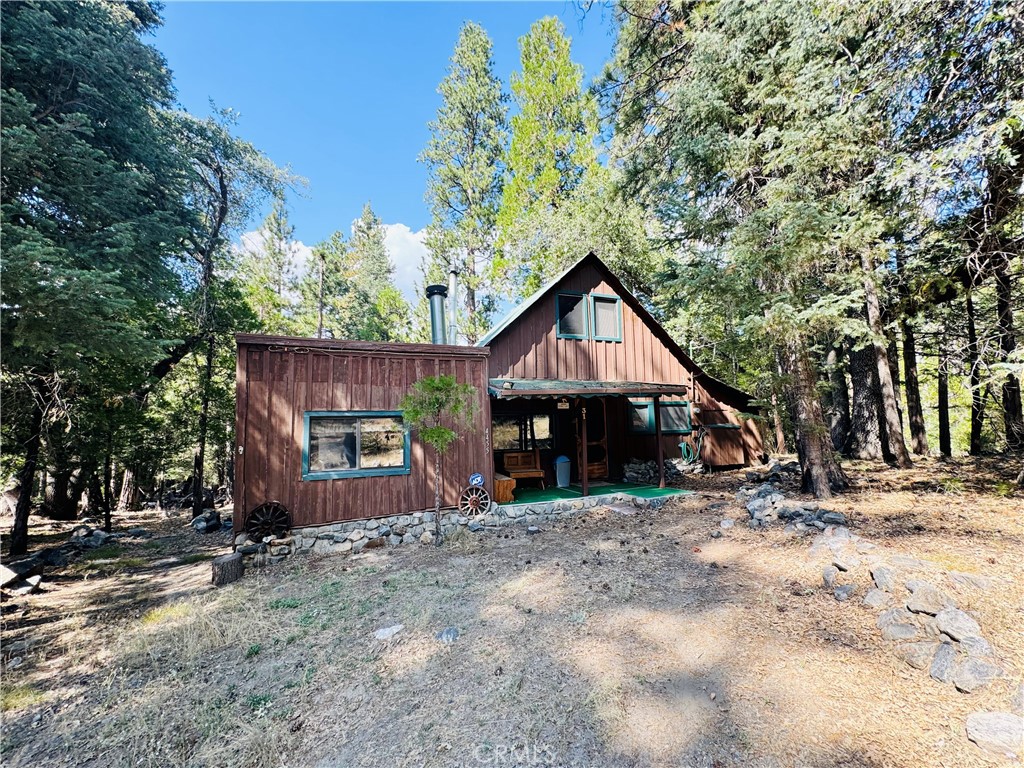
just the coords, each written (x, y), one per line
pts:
(474, 501)
(270, 519)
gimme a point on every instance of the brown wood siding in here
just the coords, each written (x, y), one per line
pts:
(278, 380)
(530, 348)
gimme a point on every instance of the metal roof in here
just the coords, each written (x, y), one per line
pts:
(506, 389)
(525, 305)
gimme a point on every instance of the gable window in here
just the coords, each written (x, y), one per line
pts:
(607, 317)
(354, 444)
(675, 417)
(571, 315)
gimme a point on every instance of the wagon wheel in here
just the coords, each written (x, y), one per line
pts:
(473, 501)
(270, 519)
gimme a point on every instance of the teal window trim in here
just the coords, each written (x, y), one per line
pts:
(335, 474)
(594, 297)
(649, 429)
(586, 315)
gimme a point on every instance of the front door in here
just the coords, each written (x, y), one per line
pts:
(597, 438)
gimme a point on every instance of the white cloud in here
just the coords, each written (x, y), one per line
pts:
(407, 251)
(250, 242)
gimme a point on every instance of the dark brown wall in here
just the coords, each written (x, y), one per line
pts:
(279, 379)
(531, 349)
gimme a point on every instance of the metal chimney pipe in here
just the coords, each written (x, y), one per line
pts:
(453, 308)
(436, 294)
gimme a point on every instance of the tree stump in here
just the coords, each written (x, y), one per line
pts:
(227, 568)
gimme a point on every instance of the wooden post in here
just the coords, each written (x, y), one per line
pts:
(584, 464)
(660, 450)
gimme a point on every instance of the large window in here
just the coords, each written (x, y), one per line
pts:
(354, 444)
(675, 417)
(571, 310)
(512, 433)
(607, 317)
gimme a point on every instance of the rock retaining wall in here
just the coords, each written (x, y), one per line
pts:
(417, 527)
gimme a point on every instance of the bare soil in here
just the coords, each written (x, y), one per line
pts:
(610, 640)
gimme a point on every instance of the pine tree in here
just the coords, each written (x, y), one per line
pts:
(327, 305)
(372, 269)
(464, 161)
(383, 313)
(266, 271)
(550, 154)
(92, 217)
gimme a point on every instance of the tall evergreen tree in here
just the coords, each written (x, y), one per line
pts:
(720, 110)
(551, 151)
(464, 161)
(266, 271)
(327, 305)
(372, 269)
(384, 313)
(92, 216)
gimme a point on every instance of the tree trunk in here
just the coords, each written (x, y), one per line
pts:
(26, 479)
(915, 411)
(126, 499)
(839, 399)
(892, 355)
(780, 427)
(227, 568)
(890, 412)
(61, 503)
(864, 440)
(1013, 421)
(108, 489)
(780, 432)
(974, 372)
(821, 474)
(437, 497)
(945, 444)
(198, 493)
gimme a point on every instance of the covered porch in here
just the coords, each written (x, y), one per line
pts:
(563, 440)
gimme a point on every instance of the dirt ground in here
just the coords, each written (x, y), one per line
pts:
(610, 640)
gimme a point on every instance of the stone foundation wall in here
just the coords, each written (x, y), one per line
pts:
(356, 535)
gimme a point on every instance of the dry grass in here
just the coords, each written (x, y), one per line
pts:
(608, 641)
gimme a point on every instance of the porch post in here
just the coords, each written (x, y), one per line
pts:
(657, 439)
(584, 479)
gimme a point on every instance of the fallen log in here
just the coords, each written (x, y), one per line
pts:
(227, 568)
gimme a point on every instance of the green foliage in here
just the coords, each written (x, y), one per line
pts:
(329, 305)
(265, 272)
(550, 154)
(464, 160)
(284, 602)
(438, 408)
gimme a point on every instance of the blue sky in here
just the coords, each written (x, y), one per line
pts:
(342, 92)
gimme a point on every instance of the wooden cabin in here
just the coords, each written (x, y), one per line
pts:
(582, 370)
(579, 371)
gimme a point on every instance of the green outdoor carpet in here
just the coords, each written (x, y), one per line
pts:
(530, 495)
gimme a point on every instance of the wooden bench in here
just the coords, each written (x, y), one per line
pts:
(524, 464)
(504, 489)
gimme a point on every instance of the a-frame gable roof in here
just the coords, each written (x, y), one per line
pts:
(637, 306)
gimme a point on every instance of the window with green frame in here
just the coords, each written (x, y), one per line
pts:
(675, 417)
(571, 315)
(339, 444)
(606, 315)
